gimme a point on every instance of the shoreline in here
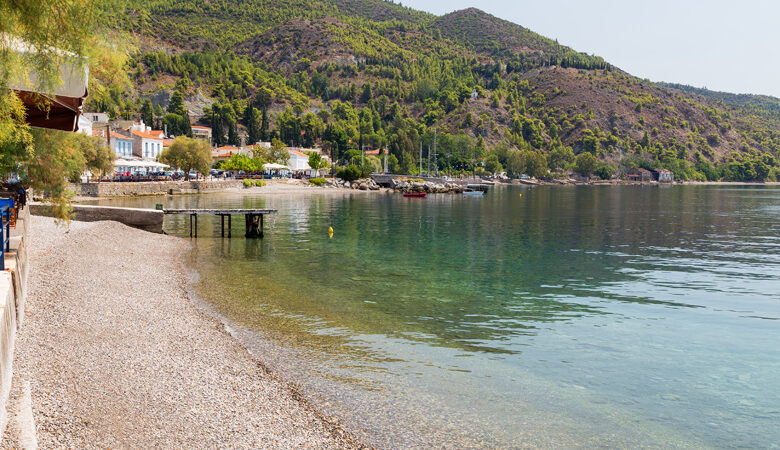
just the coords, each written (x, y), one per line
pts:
(277, 187)
(136, 360)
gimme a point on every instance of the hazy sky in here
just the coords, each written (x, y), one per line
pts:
(722, 45)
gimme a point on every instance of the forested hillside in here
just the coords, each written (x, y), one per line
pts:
(342, 74)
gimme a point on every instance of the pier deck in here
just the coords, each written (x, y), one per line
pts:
(252, 217)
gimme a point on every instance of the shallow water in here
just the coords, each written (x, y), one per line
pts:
(565, 316)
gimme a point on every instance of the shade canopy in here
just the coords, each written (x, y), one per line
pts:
(58, 108)
(274, 166)
(139, 163)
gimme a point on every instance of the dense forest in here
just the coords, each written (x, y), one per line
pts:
(350, 74)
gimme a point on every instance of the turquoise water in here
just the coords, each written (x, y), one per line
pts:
(552, 316)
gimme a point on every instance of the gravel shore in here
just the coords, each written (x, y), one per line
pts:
(118, 356)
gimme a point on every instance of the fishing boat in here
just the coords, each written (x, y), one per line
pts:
(415, 194)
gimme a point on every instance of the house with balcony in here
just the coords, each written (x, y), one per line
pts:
(146, 145)
(200, 132)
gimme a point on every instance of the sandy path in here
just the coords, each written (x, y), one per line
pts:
(117, 356)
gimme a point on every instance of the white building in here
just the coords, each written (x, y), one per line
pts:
(146, 145)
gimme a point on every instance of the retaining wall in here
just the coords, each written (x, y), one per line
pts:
(145, 219)
(108, 189)
(13, 287)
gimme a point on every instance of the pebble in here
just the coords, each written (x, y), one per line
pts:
(119, 357)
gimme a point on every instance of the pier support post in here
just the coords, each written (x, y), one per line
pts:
(254, 225)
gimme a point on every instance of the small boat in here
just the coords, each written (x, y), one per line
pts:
(473, 193)
(415, 194)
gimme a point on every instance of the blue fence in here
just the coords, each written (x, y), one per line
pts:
(5, 228)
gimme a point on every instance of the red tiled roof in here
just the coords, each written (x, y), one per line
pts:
(198, 127)
(226, 147)
(145, 135)
(296, 152)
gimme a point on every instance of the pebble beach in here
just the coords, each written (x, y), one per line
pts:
(116, 354)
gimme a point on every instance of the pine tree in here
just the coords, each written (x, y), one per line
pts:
(252, 126)
(147, 113)
(264, 136)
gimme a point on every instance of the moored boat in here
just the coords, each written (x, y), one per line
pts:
(415, 194)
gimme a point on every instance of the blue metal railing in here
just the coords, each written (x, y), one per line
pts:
(5, 229)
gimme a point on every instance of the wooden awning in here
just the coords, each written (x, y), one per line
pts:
(61, 106)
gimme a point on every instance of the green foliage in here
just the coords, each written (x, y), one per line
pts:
(605, 171)
(560, 157)
(585, 164)
(248, 183)
(187, 154)
(350, 173)
(317, 181)
(316, 161)
(493, 165)
(242, 162)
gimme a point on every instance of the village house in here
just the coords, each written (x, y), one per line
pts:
(224, 153)
(146, 145)
(663, 175)
(639, 175)
(200, 132)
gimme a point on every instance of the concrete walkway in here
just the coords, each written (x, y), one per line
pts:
(117, 356)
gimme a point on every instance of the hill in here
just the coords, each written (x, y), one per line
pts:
(348, 73)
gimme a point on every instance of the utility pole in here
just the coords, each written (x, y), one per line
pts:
(420, 157)
(435, 155)
(429, 160)
(385, 152)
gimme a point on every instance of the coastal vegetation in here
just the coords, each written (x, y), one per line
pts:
(188, 154)
(345, 75)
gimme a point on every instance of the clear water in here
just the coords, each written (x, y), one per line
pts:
(552, 316)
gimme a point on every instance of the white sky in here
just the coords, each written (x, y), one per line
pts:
(723, 45)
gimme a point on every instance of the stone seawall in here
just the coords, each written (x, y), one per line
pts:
(144, 219)
(151, 187)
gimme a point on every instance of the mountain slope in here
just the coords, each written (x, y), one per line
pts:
(389, 75)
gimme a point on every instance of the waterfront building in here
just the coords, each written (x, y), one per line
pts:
(224, 153)
(146, 145)
(639, 175)
(200, 132)
(663, 175)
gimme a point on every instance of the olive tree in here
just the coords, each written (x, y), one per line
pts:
(187, 154)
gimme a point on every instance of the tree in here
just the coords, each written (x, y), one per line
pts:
(560, 157)
(316, 161)
(70, 27)
(493, 165)
(187, 154)
(251, 120)
(98, 157)
(278, 153)
(181, 125)
(147, 113)
(585, 164)
(535, 163)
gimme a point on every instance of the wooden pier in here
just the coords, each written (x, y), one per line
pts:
(252, 217)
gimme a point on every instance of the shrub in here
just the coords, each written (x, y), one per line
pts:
(248, 183)
(415, 180)
(317, 181)
(605, 171)
(259, 183)
(349, 173)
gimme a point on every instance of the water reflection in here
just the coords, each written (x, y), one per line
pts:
(613, 309)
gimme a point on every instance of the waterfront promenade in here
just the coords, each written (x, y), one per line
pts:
(117, 355)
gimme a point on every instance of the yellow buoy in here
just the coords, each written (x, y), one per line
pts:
(330, 231)
(521, 195)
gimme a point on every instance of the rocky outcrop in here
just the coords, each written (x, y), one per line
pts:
(427, 186)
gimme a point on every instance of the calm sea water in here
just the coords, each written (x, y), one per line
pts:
(552, 316)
